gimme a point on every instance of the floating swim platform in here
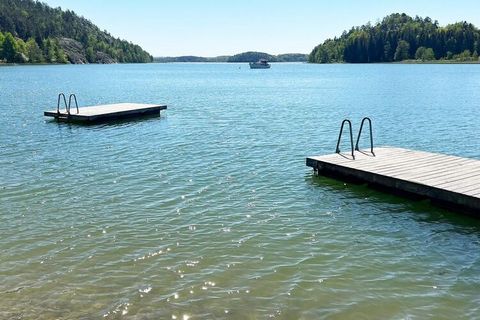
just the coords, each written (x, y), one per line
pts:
(105, 112)
(447, 180)
(100, 113)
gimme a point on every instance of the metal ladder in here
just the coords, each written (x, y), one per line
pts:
(360, 133)
(340, 137)
(337, 150)
(67, 107)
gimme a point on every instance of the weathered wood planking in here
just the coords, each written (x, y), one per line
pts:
(449, 180)
(106, 112)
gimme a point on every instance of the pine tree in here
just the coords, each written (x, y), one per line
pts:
(402, 51)
(9, 50)
(61, 56)
(49, 51)
(34, 53)
(2, 39)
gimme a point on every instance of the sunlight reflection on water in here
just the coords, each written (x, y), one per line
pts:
(209, 210)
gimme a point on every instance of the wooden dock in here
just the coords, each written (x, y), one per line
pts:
(447, 180)
(106, 112)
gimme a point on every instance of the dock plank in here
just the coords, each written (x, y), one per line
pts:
(451, 180)
(392, 161)
(418, 170)
(454, 171)
(412, 165)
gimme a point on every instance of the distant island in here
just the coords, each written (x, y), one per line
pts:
(250, 56)
(33, 32)
(400, 38)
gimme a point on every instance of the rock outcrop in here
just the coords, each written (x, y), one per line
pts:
(74, 50)
(76, 54)
(103, 58)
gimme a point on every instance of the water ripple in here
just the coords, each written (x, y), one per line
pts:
(209, 211)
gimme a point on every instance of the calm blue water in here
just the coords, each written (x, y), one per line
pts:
(209, 211)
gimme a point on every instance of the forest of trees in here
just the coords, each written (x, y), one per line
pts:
(250, 56)
(33, 32)
(254, 56)
(18, 51)
(400, 37)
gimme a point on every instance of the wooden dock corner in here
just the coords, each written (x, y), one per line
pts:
(450, 181)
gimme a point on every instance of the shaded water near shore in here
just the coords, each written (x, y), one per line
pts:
(209, 211)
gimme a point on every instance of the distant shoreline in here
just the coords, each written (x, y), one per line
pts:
(248, 56)
(436, 62)
(312, 63)
(446, 62)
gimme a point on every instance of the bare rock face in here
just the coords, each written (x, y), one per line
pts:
(74, 50)
(76, 54)
(103, 58)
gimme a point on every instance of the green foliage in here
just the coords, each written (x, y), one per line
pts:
(34, 53)
(9, 48)
(292, 57)
(20, 56)
(402, 51)
(61, 57)
(428, 55)
(398, 37)
(251, 56)
(387, 52)
(180, 59)
(2, 39)
(29, 19)
(90, 54)
(49, 50)
(287, 57)
(465, 56)
(425, 54)
(420, 52)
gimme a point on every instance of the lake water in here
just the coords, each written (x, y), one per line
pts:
(209, 211)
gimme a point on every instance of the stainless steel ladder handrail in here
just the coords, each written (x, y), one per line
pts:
(360, 133)
(72, 95)
(67, 109)
(340, 137)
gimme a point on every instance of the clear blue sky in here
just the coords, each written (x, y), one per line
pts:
(224, 27)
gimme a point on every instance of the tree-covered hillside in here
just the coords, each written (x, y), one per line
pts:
(190, 59)
(253, 56)
(292, 57)
(31, 31)
(400, 37)
(250, 56)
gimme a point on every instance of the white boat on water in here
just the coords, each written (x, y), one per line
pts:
(260, 64)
